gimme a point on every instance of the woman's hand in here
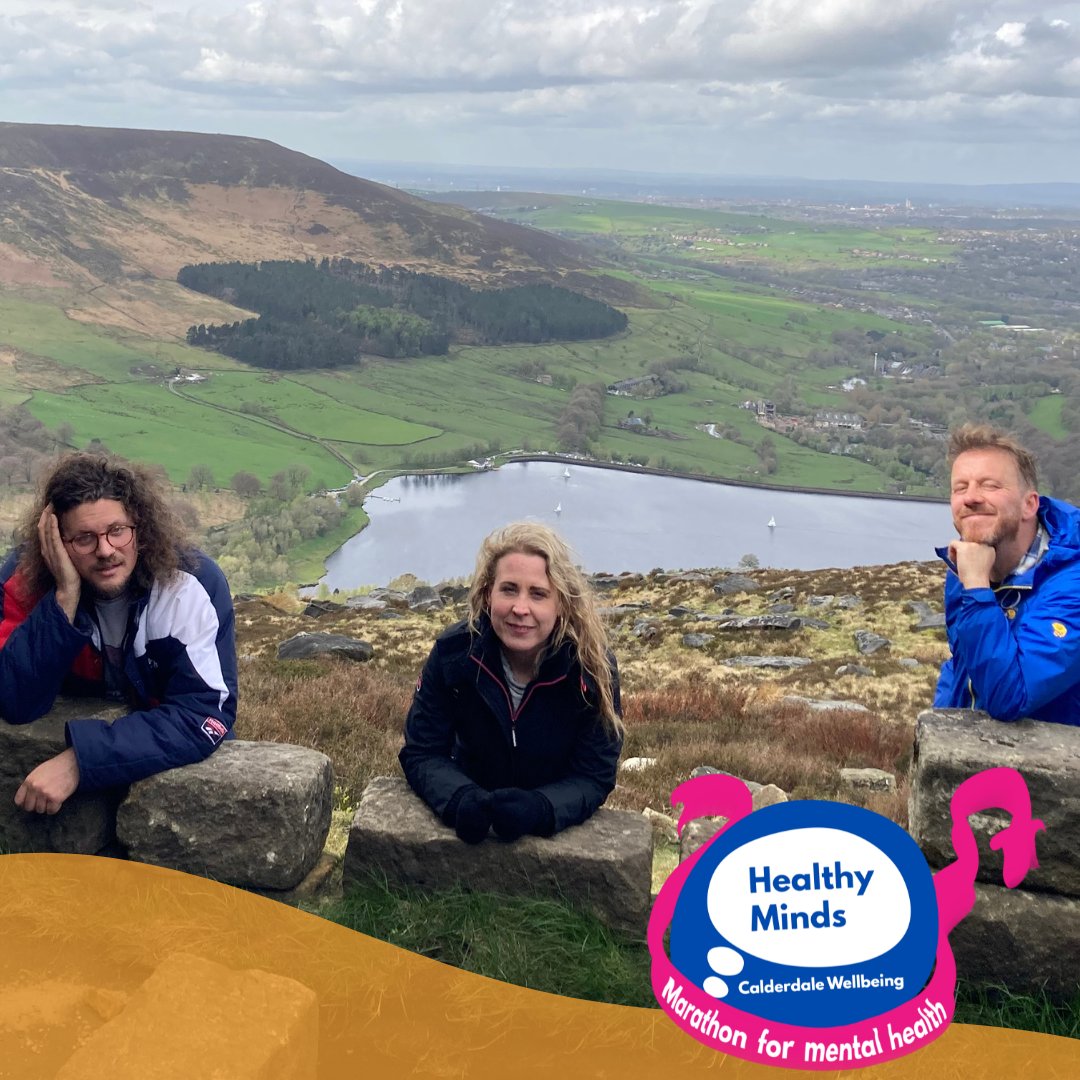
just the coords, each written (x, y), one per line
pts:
(57, 559)
(516, 812)
(473, 818)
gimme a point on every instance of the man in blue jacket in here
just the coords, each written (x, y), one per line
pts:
(105, 597)
(1012, 594)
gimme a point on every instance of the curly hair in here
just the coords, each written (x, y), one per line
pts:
(578, 619)
(163, 544)
(985, 437)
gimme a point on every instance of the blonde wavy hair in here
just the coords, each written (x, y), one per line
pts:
(578, 619)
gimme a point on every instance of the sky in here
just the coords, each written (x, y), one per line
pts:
(914, 90)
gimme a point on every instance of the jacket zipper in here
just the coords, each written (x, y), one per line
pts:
(515, 713)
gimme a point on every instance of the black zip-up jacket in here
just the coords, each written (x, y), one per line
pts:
(462, 730)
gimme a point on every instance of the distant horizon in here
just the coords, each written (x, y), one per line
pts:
(340, 161)
(965, 92)
(643, 173)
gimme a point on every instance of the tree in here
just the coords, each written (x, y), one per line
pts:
(245, 484)
(200, 476)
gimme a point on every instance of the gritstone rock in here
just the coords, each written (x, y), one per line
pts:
(853, 669)
(318, 608)
(868, 643)
(604, 864)
(86, 822)
(165, 1030)
(761, 622)
(933, 621)
(735, 583)
(782, 662)
(1022, 940)
(365, 603)
(424, 598)
(700, 830)
(253, 814)
(304, 646)
(696, 641)
(953, 744)
(868, 779)
(823, 705)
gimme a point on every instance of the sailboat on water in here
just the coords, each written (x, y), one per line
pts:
(558, 509)
(772, 523)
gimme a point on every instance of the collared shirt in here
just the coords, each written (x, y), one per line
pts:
(1034, 553)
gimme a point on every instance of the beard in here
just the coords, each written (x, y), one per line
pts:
(109, 590)
(992, 531)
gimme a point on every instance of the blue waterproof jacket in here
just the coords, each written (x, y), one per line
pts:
(462, 728)
(179, 668)
(1016, 648)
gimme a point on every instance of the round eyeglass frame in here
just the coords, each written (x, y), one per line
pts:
(86, 543)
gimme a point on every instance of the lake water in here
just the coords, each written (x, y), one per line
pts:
(431, 526)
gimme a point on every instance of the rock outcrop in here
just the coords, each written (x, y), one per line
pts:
(1026, 938)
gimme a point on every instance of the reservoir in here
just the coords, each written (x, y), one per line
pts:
(431, 526)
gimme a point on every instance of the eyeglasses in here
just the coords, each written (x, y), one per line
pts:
(119, 536)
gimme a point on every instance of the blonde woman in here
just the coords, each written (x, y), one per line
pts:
(515, 725)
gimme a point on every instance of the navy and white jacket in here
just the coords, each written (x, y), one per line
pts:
(462, 728)
(1016, 647)
(179, 666)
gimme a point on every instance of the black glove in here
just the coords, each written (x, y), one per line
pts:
(469, 812)
(516, 812)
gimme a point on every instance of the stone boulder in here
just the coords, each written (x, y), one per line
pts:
(860, 670)
(365, 603)
(867, 779)
(868, 643)
(823, 704)
(165, 1029)
(1023, 940)
(304, 646)
(953, 744)
(735, 583)
(253, 814)
(318, 608)
(701, 830)
(452, 594)
(697, 641)
(393, 597)
(424, 598)
(604, 865)
(934, 621)
(782, 662)
(85, 824)
(761, 622)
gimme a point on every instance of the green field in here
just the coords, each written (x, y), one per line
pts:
(714, 235)
(380, 415)
(743, 341)
(1046, 414)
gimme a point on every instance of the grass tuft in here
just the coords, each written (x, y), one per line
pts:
(541, 944)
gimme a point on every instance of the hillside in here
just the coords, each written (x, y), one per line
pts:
(113, 214)
(684, 706)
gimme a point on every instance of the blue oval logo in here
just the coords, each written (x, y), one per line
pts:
(811, 913)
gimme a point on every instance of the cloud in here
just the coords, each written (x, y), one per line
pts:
(842, 66)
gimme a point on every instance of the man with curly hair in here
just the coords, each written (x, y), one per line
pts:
(104, 595)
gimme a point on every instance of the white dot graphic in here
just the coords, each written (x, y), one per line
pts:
(723, 961)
